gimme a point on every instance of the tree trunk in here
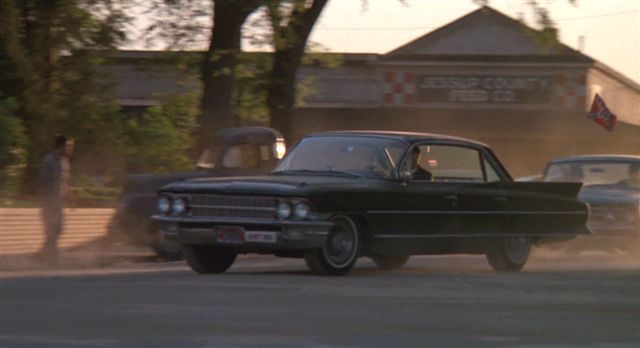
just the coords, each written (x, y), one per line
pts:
(282, 91)
(290, 40)
(218, 65)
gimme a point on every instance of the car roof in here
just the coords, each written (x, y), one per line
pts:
(243, 135)
(410, 137)
(597, 158)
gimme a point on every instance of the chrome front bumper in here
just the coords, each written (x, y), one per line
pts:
(284, 234)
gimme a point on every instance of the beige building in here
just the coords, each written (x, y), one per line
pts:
(486, 77)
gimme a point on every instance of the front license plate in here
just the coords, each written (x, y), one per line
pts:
(260, 237)
(229, 234)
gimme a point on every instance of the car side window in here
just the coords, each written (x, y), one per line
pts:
(447, 163)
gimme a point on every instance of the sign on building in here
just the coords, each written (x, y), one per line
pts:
(483, 89)
(558, 91)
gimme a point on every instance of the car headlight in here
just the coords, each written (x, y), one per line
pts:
(280, 149)
(179, 206)
(284, 210)
(301, 210)
(164, 205)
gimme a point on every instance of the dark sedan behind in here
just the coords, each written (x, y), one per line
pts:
(611, 186)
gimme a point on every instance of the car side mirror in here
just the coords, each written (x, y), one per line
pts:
(406, 176)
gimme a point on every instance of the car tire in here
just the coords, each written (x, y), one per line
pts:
(167, 250)
(341, 250)
(509, 254)
(389, 263)
(205, 259)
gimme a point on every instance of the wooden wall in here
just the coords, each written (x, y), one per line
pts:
(21, 229)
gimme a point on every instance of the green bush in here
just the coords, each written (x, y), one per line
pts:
(13, 152)
(159, 141)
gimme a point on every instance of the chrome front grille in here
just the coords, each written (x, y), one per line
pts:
(220, 206)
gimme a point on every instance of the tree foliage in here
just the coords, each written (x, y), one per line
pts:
(224, 102)
(50, 51)
(218, 64)
(159, 140)
(249, 99)
(13, 151)
(547, 31)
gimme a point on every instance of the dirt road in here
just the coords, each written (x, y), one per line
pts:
(587, 301)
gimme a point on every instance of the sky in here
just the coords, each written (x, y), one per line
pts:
(611, 28)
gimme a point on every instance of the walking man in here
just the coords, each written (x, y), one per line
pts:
(53, 187)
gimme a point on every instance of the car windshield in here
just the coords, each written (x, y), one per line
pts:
(356, 155)
(595, 173)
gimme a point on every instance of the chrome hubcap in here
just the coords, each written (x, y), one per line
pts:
(340, 248)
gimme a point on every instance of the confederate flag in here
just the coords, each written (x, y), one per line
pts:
(601, 115)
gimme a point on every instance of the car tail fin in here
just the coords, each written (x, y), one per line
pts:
(565, 189)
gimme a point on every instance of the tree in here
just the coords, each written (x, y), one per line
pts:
(159, 140)
(49, 56)
(291, 22)
(548, 33)
(13, 146)
(290, 35)
(218, 64)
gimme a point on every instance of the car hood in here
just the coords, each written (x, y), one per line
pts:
(610, 195)
(153, 182)
(285, 185)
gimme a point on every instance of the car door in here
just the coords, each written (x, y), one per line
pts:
(414, 208)
(482, 199)
(462, 197)
(475, 202)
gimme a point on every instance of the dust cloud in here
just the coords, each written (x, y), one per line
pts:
(93, 256)
(564, 259)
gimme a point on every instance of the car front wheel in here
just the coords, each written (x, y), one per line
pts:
(205, 259)
(165, 249)
(389, 263)
(340, 252)
(509, 254)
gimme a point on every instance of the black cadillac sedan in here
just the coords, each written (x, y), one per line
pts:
(385, 195)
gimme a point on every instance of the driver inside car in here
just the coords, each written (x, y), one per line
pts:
(417, 172)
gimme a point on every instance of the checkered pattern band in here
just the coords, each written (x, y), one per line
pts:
(569, 92)
(399, 88)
